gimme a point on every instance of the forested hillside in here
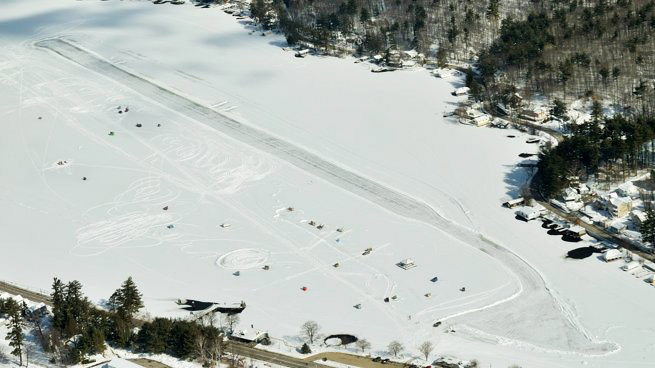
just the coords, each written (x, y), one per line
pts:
(602, 49)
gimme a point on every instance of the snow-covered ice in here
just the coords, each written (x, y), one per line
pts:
(366, 152)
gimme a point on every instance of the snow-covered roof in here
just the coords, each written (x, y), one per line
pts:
(411, 53)
(250, 335)
(619, 201)
(618, 226)
(627, 189)
(640, 215)
(612, 254)
(577, 229)
(120, 363)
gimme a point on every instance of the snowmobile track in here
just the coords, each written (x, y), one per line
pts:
(532, 291)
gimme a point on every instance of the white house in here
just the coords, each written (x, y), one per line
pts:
(481, 120)
(574, 205)
(302, 53)
(514, 202)
(570, 194)
(463, 91)
(408, 63)
(612, 255)
(638, 217)
(619, 207)
(536, 115)
(628, 190)
(617, 227)
(529, 213)
(249, 336)
(631, 266)
(559, 205)
(576, 231)
(583, 189)
(411, 53)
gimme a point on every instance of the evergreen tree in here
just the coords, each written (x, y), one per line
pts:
(15, 334)
(596, 111)
(493, 9)
(559, 110)
(126, 301)
(58, 295)
(305, 349)
(76, 309)
(647, 228)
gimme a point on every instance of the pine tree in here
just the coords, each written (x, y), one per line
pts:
(559, 110)
(15, 334)
(58, 308)
(647, 228)
(77, 308)
(126, 301)
(305, 349)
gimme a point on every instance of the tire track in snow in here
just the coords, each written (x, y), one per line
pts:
(533, 295)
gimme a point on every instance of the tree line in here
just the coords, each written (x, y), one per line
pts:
(569, 49)
(78, 329)
(605, 150)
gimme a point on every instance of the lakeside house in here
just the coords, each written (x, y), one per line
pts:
(612, 255)
(302, 53)
(249, 336)
(619, 207)
(393, 59)
(514, 202)
(576, 231)
(638, 217)
(617, 227)
(628, 190)
(631, 266)
(534, 115)
(462, 91)
(529, 213)
(481, 120)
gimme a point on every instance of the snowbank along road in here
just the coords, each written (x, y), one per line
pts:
(513, 319)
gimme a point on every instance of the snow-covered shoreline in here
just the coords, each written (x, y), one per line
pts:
(387, 127)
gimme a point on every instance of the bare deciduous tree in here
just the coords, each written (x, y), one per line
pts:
(395, 347)
(309, 330)
(363, 344)
(231, 320)
(426, 348)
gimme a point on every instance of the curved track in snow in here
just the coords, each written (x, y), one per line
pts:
(534, 306)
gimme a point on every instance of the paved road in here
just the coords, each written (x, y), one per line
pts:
(27, 294)
(233, 347)
(267, 356)
(353, 360)
(597, 232)
(149, 363)
(555, 134)
(528, 292)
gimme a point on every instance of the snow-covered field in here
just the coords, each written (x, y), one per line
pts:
(233, 132)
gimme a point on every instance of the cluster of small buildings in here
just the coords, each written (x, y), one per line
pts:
(472, 115)
(621, 211)
(623, 208)
(639, 268)
(537, 114)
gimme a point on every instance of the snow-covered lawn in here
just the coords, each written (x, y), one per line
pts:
(387, 128)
